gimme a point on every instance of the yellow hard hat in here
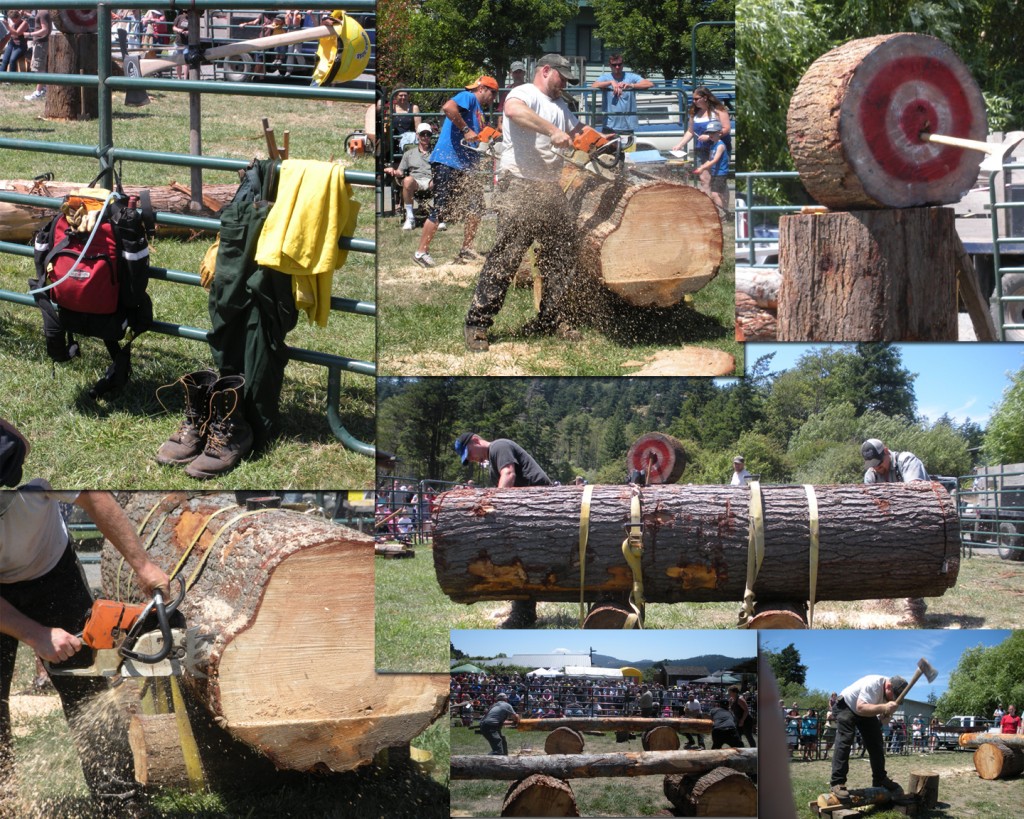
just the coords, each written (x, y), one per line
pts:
(343, 57)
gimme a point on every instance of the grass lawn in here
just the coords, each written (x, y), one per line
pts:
(962, 793)
(413, 615)
(422, 313)
(110, 442)
(601, 796)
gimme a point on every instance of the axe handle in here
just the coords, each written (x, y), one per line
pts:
(242, 47)
(914, 679)
(970, 144)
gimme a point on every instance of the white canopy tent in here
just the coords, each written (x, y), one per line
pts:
(592, 671)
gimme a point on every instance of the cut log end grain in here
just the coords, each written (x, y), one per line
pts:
(564, 740)
(540, 795)
(994, 760)
(662, 738)
(925, 786)
(778, 616)
(720, 792)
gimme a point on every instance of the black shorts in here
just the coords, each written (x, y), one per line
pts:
(456, 193)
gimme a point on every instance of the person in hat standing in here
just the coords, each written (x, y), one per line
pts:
(517, 71)
(619, 103)
(531, 205)
(740, 476)
(859, 708)
(494, 719)
(884, 466)
(415, 172)
(458, 193)
(510, 466)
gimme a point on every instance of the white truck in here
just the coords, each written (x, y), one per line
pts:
(948, 735)
(992, 510)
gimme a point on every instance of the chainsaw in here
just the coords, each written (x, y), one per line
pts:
(488, 141)
(605, 154)
(133, 640)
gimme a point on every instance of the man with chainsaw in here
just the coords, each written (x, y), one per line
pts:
(531, 205)
(861, 706)
(44, 602)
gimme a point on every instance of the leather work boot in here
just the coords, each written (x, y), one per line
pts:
(187, 443)
(476, 339)
(228, 434)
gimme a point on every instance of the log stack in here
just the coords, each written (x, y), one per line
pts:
(506, 544)
(720, 792)
(281, 608)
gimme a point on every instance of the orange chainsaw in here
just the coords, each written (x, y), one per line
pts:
(131, 640)
(605, 153)
(488, 141)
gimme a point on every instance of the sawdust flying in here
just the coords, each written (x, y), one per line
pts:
(504, 358)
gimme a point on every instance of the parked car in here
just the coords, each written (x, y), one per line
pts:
(948, 736)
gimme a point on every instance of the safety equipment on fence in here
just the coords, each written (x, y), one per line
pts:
(344, 56)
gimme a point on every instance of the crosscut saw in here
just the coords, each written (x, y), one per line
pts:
(134, 640)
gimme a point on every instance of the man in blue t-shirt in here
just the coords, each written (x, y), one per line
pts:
(457, 192)
(620, 89)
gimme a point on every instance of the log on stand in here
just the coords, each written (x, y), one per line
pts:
(925, 786)
(287, 601)
(648, 241)
(662, 738)
(994, 760)
(974, 740)
(687, 726)
(564, 740)
(885, 275)
(539, 795)
(858, 798)
(503, 544)
(721, 792)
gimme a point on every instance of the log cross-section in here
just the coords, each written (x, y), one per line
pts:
(686, 726)
(994, 760)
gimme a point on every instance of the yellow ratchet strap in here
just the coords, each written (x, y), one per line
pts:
(755, 550)
(633, 551)
(588, 491)
(195, 539)
(206, 555)
(146, 546)
(812, 519)
(189, 748)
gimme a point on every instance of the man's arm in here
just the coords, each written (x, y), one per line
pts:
(524, 116)
(112, 521)
(52, 644)
(507, 476)
(451, 110)
(883, 709)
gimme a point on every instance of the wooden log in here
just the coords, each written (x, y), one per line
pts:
(886, 275)
(649, 241)
(722, 792)
(289, 667)
(539, 795)
(156, 748)
(71, 54)
(974, 740)
(778, 615)
(972, 297)
(754, 323)
(662, 738)
(564, 740)
(925, 786)
(588, 766)
(686, 726)
(502, 544)
(994, 760)
(855, 121)
(677, 787)
(762, 286)
(858, 798)
(18, 223)
(660, 457)
(609, 615)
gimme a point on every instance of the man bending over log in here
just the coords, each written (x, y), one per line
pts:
(43, 603)
(860, 707)
(490, 725)
(531, 205)
(884, 466)
(511, 466)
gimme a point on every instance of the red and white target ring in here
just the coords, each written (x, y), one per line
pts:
(76, 21)
(660, 456)
(906, 85)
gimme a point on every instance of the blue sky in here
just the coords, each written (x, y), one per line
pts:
(834, 659)
(964, 380)
(631, 646)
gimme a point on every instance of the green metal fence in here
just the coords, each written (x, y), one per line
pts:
(107, 153)
(991, 506)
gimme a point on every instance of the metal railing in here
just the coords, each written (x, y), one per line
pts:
(991, 508)
(107, 154)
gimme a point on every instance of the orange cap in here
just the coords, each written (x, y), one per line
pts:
(486, 81)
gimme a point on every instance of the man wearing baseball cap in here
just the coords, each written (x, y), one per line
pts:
(490, 725)
(740, 476)
(414, 171)
(531, 205)
(860, 707)
(517, 72)
(884, 466)
(458, 192)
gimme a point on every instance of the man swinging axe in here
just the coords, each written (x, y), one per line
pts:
(863, 706)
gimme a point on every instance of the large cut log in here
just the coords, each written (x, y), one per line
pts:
(539, 795)
(649, 241)
(71, 54)
(156, 749)
(18, 223)
(925, 786)
(564, 740)
(858, 797)
(721, 792)
(974, 740)
(588, 766)
(762, 286)
(287, 601)
(687, 726)
(856, 118)
(503, 544)
(662, 738)
(754, 323)
(883, 275)
(993, 760)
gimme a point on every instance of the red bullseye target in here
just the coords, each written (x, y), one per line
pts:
(660, 456)
(77, 21)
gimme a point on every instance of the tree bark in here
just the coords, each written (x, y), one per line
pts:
(539, 795)
(754, 323)
(287, 602)
(886, 275)
(687, 726)
(564, 740)
(649, 241)
(855, 120)
(156, 748)
(19, 223)
(503, 544)
(71, 54)
(858, 797)
(588, 766)
(994, 760)
(662, 738)
(925, 785)
(720, 792)
(975, 740)
(762, 286)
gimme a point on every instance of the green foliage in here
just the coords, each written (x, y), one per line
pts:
(654, 35)
(984, 678)
(786, 665)
(1004, 439)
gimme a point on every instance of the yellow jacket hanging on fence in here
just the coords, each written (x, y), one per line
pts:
(313, 208)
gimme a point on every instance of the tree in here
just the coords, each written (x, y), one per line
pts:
(1004, 439)
(984, 678)
(786, 665)
(654, 35)
(881, 382)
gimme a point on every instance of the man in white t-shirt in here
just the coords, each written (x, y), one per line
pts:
(531, 206)
(740, 476)
(693, 710)
(860, 707)
(43, 603)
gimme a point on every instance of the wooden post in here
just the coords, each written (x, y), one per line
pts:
(925, 785)
(71, 54)
(886, 275)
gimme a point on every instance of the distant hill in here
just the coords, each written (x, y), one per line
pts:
(713, 662)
